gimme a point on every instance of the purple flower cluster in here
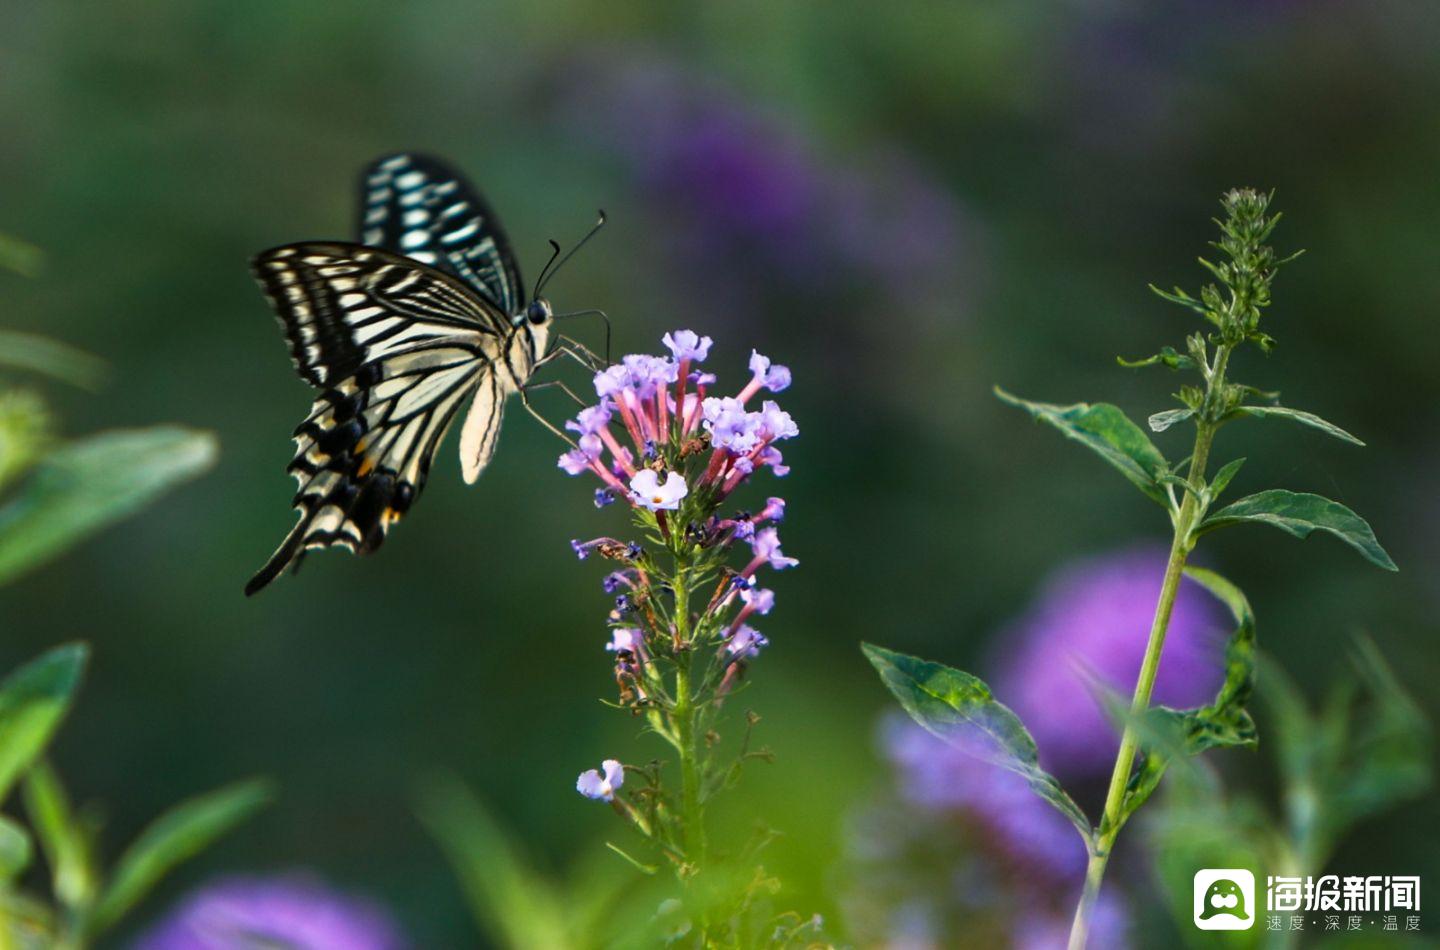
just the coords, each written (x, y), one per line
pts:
(676, 453)
(290, 911)
(658, 403)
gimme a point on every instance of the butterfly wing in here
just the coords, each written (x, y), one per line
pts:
(482, 428)
(395, 349)
(419, 206)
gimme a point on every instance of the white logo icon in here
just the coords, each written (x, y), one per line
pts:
(1224, 899)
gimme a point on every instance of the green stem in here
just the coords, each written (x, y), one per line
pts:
(1181, 542)
(685, 715)
(1094, 874)
(692, 813)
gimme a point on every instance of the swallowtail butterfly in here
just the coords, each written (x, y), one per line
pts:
(399, 333)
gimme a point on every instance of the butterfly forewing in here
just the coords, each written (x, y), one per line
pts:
(420, 207)
(396, 348)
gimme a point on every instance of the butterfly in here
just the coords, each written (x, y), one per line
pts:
(426, 316)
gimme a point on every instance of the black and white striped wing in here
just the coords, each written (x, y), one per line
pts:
(419, 206)
(395, 348)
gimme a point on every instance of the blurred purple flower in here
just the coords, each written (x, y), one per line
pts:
(1109, 927)
(744, 185)
(938, 777)
(288, 911)
(1092, 618)
(1123, 72)
(940, 876)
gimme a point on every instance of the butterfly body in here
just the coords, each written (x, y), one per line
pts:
(399, 334)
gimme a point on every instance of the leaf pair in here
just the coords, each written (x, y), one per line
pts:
(1107, 431)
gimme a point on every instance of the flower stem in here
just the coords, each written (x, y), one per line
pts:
(692, 813)
(684, 715)
(1182, 541)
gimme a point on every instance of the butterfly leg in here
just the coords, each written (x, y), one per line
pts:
(578, 352)
(603, 316)
(560, 385)
(525, 401)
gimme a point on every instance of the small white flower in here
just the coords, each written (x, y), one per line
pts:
(647, 490)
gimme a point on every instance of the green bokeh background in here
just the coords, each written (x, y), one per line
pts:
(151, 147)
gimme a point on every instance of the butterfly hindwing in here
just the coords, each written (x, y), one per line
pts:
(482, 428)
(396, 349)
(418, 206)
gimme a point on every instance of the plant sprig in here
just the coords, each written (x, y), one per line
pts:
(961, 709)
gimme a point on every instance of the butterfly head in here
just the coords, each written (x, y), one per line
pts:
(536, 319)
(537, 313)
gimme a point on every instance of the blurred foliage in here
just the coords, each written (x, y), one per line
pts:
(156, 145)
(77, 488)
(599, 904)
(1367, 749)
(86, 902)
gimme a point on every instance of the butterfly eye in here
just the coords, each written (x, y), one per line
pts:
(538, 311)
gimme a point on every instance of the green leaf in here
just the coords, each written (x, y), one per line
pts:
(1300, 416)
(1107, 431)
(176, 836)
(1161, 421)
(88, 484)
(1225, 722)
(65, 841)
(1167, 355)
(1222, 478)
(14, 849)
(1183, 299)
(33, 700)
(1300, 513)
(38, 354)
(960, 708)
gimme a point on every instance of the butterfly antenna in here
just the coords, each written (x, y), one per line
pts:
(549, 271)
(545, 271)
